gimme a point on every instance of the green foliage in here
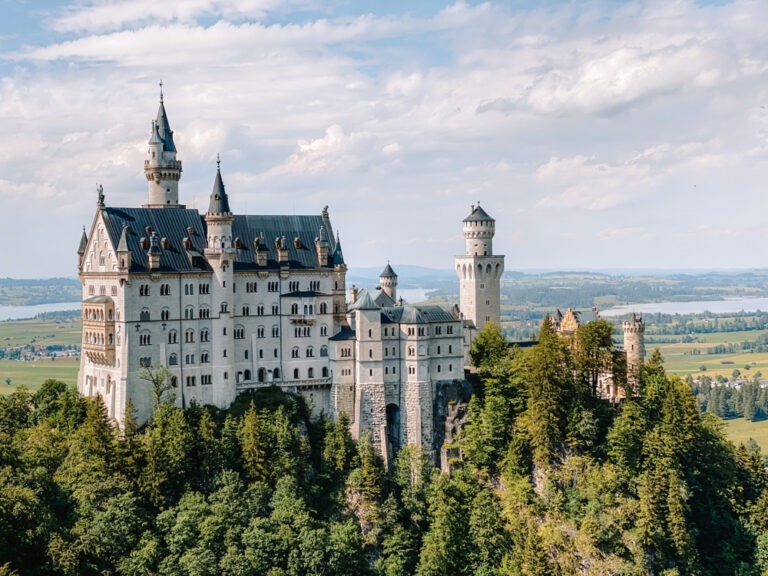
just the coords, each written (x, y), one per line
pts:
(488, 347)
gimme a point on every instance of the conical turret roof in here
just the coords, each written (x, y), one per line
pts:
(338, 256)
(478, 214)
(388, 272)
(219, 202)
(164, 128)
(83, 243)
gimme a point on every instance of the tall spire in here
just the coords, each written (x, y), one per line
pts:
(219, 202)
(161, 168)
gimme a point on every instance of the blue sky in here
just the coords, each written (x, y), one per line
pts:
(598, 134)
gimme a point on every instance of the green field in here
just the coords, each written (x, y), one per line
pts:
(45, 332)
(34, 372)
(739, 431)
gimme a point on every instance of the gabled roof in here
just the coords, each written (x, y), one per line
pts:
(301, 254)
(417, 314)
(170, 223)
(478, 215)
(383, 299)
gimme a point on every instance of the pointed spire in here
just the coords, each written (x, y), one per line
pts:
(388, 272)
(83, 243)
(338, 256)
(122, 245)
(219, 202)
(163, 126)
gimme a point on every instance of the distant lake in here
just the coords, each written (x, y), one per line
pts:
(694, 307)
(23, 312)
(413, 295)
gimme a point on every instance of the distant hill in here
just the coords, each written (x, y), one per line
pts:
(28, 292)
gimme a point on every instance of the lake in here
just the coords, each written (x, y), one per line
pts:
(694, 307)
(23, 312)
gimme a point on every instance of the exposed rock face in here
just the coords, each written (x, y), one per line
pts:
(450, 415)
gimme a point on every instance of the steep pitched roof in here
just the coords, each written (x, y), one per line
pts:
(417, 314)
(388, 272)
(364, 302)
(83, 243)
(383, 299)
(338, 257)
(164, 129)
(478, 215)
(174, 224)
(219, 203)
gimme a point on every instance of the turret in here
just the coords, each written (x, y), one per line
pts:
(479, 229)
(634, 348)
(161, 168)
(81, 249)
(219, 218)
(388, 282)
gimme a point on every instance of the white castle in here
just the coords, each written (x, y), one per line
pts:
(229, 303)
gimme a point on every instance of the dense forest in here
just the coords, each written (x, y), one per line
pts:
(546, 479)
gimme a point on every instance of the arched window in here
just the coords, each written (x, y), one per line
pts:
(323, 350)
(173, 337)
(323, 308)
(295, 373)
(310, 352)
(247, 375)
(144, 315)
(325, 371)
(294, 309)
(276, 373)
(310, 372)
(262, 375)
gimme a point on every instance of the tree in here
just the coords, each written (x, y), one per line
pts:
(161, 380)
(254, 445)
(488, 347)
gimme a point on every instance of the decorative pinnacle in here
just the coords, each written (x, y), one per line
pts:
(218, 162)
(161, 90)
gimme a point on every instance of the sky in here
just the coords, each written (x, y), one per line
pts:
(599, 134)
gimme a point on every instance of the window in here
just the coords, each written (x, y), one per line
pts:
(450, 349)
(165, 290)
(144, 290)
(422, 331)
(275, 310)
(172, 337)
(314, 285)
(438, 367)
(190, 381)
(295, 352)
(189, 313)
(275, 352)
(411, 331)
(346, 352)
(204, 335)
(204, 288)
(261, 353)
(223, 306)
(323, 330)
(260, 310)
(294, 309)
(239, 333)
(323, 308)
(275, 331)
(164, 314)
(173, 360)
(246, 310)
(370, 333)
(189, 359)
(276, 373)
(323, 351)
(189, 335)
(295, 373)
(144, 315)
(145, 339)
(293, 286)
(251, 287)
(204, 358)
(245, 354)
(370, 353)
(449, 329)
(114, 290)
(310, 352)
(247, 375)
(205, 379)
(273, 286)
(310, 372)
(438, 349)
(411, 351)
(224, 353)
(205, 312)
(450, 367)
(92, 290)
(260, 332)
(145, 362)
(438, 330)
(411, 370)
(325, 371)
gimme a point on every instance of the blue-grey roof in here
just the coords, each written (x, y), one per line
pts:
(267, 228)
(164, 129)
(338, 257)
(346, 333)
(417, 314)
(383, 299)
(388, 272)
(83, 243)
(170, 223)
(478, 215)
(219, 203)
(364, 302)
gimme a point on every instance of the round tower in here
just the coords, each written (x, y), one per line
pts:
(634, 348)
(479, 270)
(161, 168)
(388, 282)
(479, 229)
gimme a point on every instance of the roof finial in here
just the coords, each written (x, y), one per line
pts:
(161, 91)
(218, 162)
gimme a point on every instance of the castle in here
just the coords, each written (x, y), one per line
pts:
(229, 302)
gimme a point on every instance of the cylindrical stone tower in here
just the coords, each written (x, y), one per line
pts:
(634, 348)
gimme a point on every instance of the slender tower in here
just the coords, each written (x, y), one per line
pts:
(388, 282)
(479, 271)
(220, 254)
(161, 168)
(634, 348)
